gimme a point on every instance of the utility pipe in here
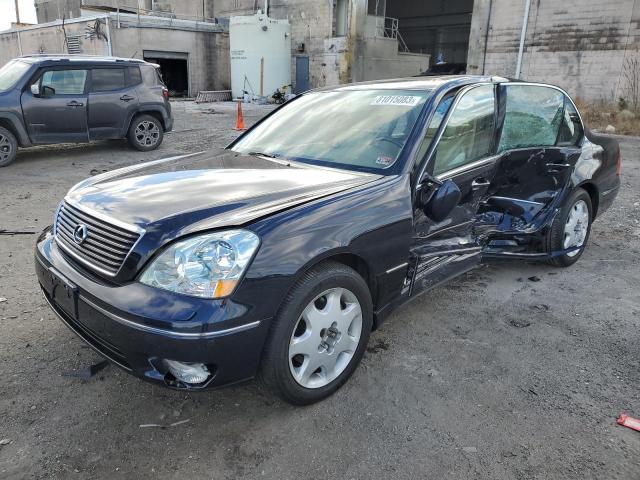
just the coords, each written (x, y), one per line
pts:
(523, 34)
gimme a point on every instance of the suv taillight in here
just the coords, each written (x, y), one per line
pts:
(619, 162)
(165, 93)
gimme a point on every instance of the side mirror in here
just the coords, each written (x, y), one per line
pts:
(35, 90)
(438, 204)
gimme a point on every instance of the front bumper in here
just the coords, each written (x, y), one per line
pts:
(136, 326)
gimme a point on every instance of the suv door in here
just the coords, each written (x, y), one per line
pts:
(537, 158)
(463, 153)
(112, 101)
(58, 113)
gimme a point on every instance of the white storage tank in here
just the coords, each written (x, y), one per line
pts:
(260, 54)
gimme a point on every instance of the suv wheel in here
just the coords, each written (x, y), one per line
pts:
(571, 228)
(319, 335)
(8, 147)
(145, 133)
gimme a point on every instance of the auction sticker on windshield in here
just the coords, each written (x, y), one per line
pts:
(401, 100)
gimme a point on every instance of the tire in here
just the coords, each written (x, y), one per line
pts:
(301, 326)
(578, 206)
(145, 133)
(8, 147)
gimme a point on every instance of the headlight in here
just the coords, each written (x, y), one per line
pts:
(208, 266)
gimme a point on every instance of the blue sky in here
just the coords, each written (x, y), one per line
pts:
(8, 12)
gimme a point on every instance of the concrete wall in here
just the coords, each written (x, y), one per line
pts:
(208, 51)
(50, 40)
(202, 47)
(580, 45)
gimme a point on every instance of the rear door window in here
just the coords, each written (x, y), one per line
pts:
(533, 116)
(571, 129)
(64, 82)
(107, 79)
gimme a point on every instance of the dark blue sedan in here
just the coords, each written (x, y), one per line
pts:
(277, 256)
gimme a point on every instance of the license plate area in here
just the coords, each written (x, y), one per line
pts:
(64, 293)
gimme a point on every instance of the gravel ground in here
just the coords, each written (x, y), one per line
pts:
(493, 376)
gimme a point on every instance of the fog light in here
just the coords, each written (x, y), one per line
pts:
(188, 372)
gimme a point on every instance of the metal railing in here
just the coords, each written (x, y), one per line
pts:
(136, 10)
(387, 27)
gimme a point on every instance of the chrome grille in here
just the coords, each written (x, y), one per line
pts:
(102, 245)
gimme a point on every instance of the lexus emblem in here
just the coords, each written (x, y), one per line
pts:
(80, 233)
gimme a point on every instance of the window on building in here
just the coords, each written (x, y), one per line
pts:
(533, 116)
(469, 131)
(340, 11)
(107, 79)
(64, 82)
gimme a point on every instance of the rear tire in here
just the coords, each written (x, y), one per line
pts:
(336, 303)
(571, 227)
(8, 147)
(145, 133)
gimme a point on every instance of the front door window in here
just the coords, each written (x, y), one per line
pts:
(469, 132)
(64, 82)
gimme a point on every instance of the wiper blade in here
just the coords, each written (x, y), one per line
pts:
(263, 154)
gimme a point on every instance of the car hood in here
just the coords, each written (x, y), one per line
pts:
(187, 193)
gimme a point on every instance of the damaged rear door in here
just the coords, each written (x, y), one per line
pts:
(462, 153)
(533, 172)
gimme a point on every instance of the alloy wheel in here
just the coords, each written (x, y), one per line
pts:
(5, 148)
(147, 133)
(577, 226)
(325, 338)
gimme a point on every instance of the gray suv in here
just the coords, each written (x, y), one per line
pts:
(47, 99)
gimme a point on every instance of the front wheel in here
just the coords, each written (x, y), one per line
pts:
(145, 133)
(571, 228)
(319, 335)
(8, 147)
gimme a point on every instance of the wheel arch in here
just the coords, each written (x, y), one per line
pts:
(15, 127)
(594, 195)
(350, 259)
(155, 113)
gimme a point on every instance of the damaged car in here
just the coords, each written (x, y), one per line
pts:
(277, 256)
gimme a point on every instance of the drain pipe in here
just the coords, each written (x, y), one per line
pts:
(523, 34)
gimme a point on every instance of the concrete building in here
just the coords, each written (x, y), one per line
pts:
(193, 55)
(586, 46)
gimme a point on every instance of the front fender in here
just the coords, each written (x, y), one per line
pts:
(372, 222)
(17, 127)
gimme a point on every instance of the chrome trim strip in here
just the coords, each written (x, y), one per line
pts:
(169, 333)
(397, 267)
(78, 258)
(469, 166)
(519, 201)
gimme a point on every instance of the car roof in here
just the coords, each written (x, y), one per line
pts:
(65, 59)
(416, 83)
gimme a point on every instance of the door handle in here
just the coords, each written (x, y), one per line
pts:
(73, 103)
(557, 167)
(126, 98)
(480, 183)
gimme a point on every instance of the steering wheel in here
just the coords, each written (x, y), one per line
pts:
(397, 143)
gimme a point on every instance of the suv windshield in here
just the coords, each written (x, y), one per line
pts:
(352, 129)
(11, 73)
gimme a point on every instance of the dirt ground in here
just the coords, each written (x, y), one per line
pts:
(514, 371)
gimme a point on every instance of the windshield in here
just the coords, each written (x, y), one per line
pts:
(354, 129)
(11, 73)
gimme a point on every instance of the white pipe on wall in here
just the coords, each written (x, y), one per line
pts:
(523, 34)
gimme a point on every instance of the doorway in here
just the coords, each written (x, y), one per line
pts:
(174, 68)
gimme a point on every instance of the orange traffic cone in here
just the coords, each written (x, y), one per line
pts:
(240, 118)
